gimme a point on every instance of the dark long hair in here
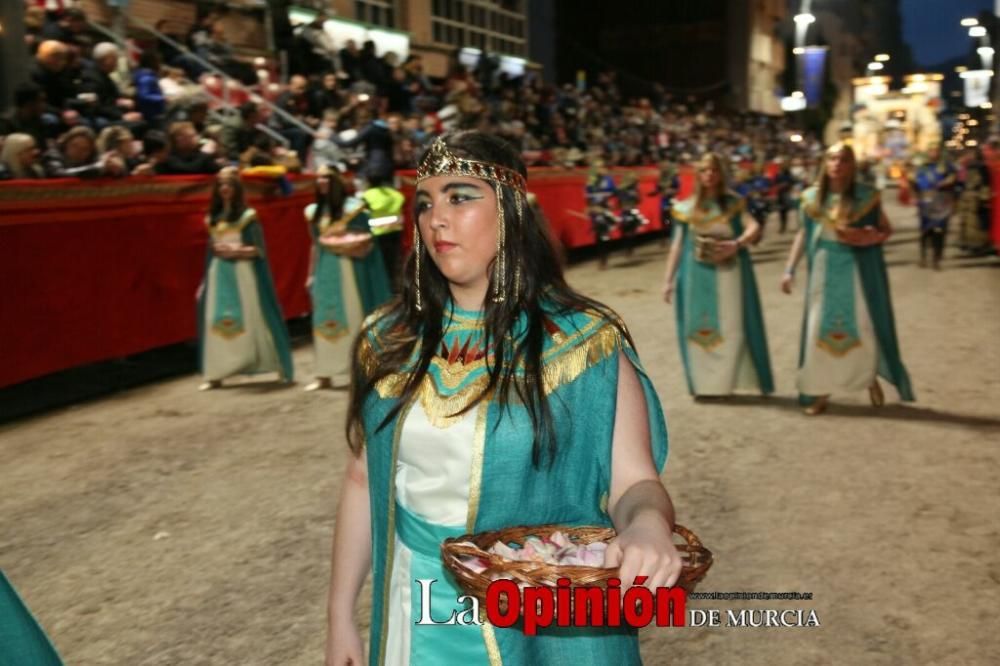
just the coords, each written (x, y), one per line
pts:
(332, 203)
(404, 328)
(823, 180)
(218, 206)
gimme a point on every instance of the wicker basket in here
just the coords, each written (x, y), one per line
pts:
(696, 559)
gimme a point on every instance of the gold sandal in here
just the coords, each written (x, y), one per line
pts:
(818, 407)
(876, 394)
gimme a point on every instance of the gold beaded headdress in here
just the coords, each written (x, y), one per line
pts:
(439, 161)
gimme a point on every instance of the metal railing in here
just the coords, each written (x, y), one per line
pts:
(226, 78)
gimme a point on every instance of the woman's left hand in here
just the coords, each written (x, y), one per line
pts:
(645, 548)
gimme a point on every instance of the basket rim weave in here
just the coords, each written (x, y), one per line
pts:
(696, 559)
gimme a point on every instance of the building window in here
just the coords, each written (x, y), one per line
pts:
(494, 25)
(376, 12)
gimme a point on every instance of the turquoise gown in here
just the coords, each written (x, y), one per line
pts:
(241, 329)
(720, 324)
(344, 289)
(433, 475)
(848, 330)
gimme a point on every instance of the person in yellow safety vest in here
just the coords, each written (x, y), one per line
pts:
(387, 202)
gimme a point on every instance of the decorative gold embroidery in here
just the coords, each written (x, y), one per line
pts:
(688, 214)
(562, 363)
(820, 214)
(220, 229)
(476, 474)
(390, 541)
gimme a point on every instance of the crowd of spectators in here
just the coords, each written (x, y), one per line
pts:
(90, 110)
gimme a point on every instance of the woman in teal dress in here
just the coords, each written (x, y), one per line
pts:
(710, 277)
(849, 331)
(347, 279)
(489, 394)
(240, 326)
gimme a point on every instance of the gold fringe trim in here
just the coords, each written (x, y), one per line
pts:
(696, 220)
(390, 541)
(560, 366)
(248, 216)
(818, 213)
(476, 473)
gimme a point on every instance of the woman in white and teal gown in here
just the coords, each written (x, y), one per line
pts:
(710, 278)
(240, 325)
(488, 395)
(347, 281)
(849, 330)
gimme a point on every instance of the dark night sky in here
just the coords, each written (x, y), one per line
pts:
(932, 27)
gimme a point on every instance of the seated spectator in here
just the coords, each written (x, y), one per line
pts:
(119, 140)
(71, 29)
(239, 131)
(185, 156)
(76, 156)
(350, 62)
(111, 105)
(174, 84)
(295, 102)
(48, 72)
(34, 23)
(154, 151)
(149, 98)
(20, 158)
(327, 96)
(27, 115)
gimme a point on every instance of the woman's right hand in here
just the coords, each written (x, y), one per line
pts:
(787, 280)
(668, 292)
(343, 646)
(309, 282)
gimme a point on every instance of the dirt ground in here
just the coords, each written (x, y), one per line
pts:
(166, 526)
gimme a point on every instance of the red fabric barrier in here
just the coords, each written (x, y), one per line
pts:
(100, 270)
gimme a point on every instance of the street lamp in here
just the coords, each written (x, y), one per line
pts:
(804, 19)
(969, 22)
(977, 31)
(882, 57)
(875, 66)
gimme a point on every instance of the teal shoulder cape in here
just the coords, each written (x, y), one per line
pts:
(581, 362)
(866, 211)
(252, 234)
(22, 639)
(754, 330)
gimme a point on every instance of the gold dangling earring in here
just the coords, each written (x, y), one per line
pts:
(499, 265)
(417, 250)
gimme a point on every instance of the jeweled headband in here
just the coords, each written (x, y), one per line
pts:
(439, 161)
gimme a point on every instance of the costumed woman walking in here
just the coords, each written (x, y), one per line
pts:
(347, 279)
(489, 379)
(849, 331)
(241, 328)
(710, 277)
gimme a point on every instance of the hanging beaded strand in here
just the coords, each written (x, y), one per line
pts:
(417, 250)
(500, 264)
